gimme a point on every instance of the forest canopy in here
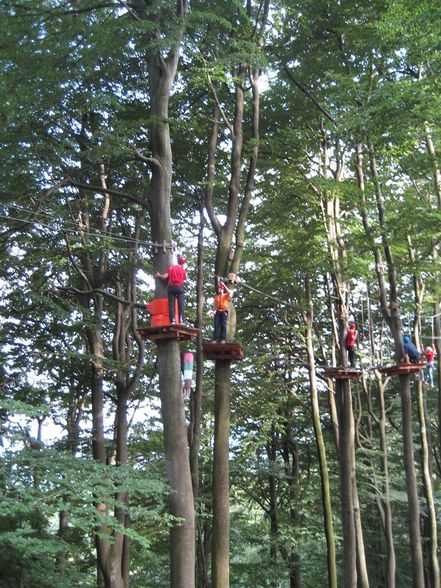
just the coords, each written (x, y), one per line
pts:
(290, 150)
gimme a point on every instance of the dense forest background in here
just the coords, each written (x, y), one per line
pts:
(294, 144)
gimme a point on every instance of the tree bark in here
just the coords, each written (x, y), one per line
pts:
(390, 310)
(221, 477)
(162, 71)
(347, 479)
(321, 449)
(428, 489)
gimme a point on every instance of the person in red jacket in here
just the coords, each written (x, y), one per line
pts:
(430, 354)
(350, 342)
(220, 314)
(175, 276)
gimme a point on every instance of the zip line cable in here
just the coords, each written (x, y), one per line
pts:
(73, 231)
(100, 234)
(94, 233)
(66, 223)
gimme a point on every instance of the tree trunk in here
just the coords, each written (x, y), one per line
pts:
(428, 490)
(347, 479)
(221, 478)
(271, 451)
(194, 433)
(321, 449)
(387, 525)
(162, 71)
(390, 310)
(352, 531)
(194, 427)
(182, 535)
(412, 492)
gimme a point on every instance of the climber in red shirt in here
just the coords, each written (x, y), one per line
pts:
(175, 276)
(430, 354)
(350, 342)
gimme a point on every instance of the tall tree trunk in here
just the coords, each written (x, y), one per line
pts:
(392, 317)
(353, 545)
(235, 222)
(271, 451)
(428, 490)
(182, 536)
(291, 466)
(321, 449)
(347, 479)
(412, 492)
(385, 500)
(162, 71)
(436, 175)
(430, 516)
(390, 310)
(194, 427)
(221, 477)
(98, 447)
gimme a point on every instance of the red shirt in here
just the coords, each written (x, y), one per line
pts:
(351, 337)
(176, 275)
(430, 355)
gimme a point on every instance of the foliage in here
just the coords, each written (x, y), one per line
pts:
(74, 101)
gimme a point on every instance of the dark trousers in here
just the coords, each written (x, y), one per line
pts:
(176, 293)
(351, 353)
(220, 325)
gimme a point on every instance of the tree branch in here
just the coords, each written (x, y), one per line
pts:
(110, 191)
(307, 93)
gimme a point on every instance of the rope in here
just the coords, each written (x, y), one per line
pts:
(242, 282)
(65, 228)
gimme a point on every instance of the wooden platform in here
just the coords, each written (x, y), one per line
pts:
(342, 373)
(177, 331)
(223, 351)
(400, 368)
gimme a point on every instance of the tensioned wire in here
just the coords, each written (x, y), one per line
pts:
(65, 227)
(101, 234)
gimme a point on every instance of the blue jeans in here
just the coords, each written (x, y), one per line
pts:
(220, 325)
(430, 372)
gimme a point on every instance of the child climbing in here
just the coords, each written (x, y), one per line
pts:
(175, 277)
(221, 307)
(430, 354)
(350, 342)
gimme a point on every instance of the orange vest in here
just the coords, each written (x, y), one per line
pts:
(222, 301)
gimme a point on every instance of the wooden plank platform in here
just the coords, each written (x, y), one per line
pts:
(342, 373)
(400, 368)
(177, 331)
(223, 351)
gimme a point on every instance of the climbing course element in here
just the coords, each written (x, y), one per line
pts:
(342, 373)
(223, 351)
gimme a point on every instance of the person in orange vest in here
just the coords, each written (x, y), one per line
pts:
(175, 276)
(220, 315)
(350, 342)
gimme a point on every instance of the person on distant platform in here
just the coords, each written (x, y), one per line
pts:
(220, 314)
(350, 342)
(175, 276)
(411, 353)
(430, 354)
